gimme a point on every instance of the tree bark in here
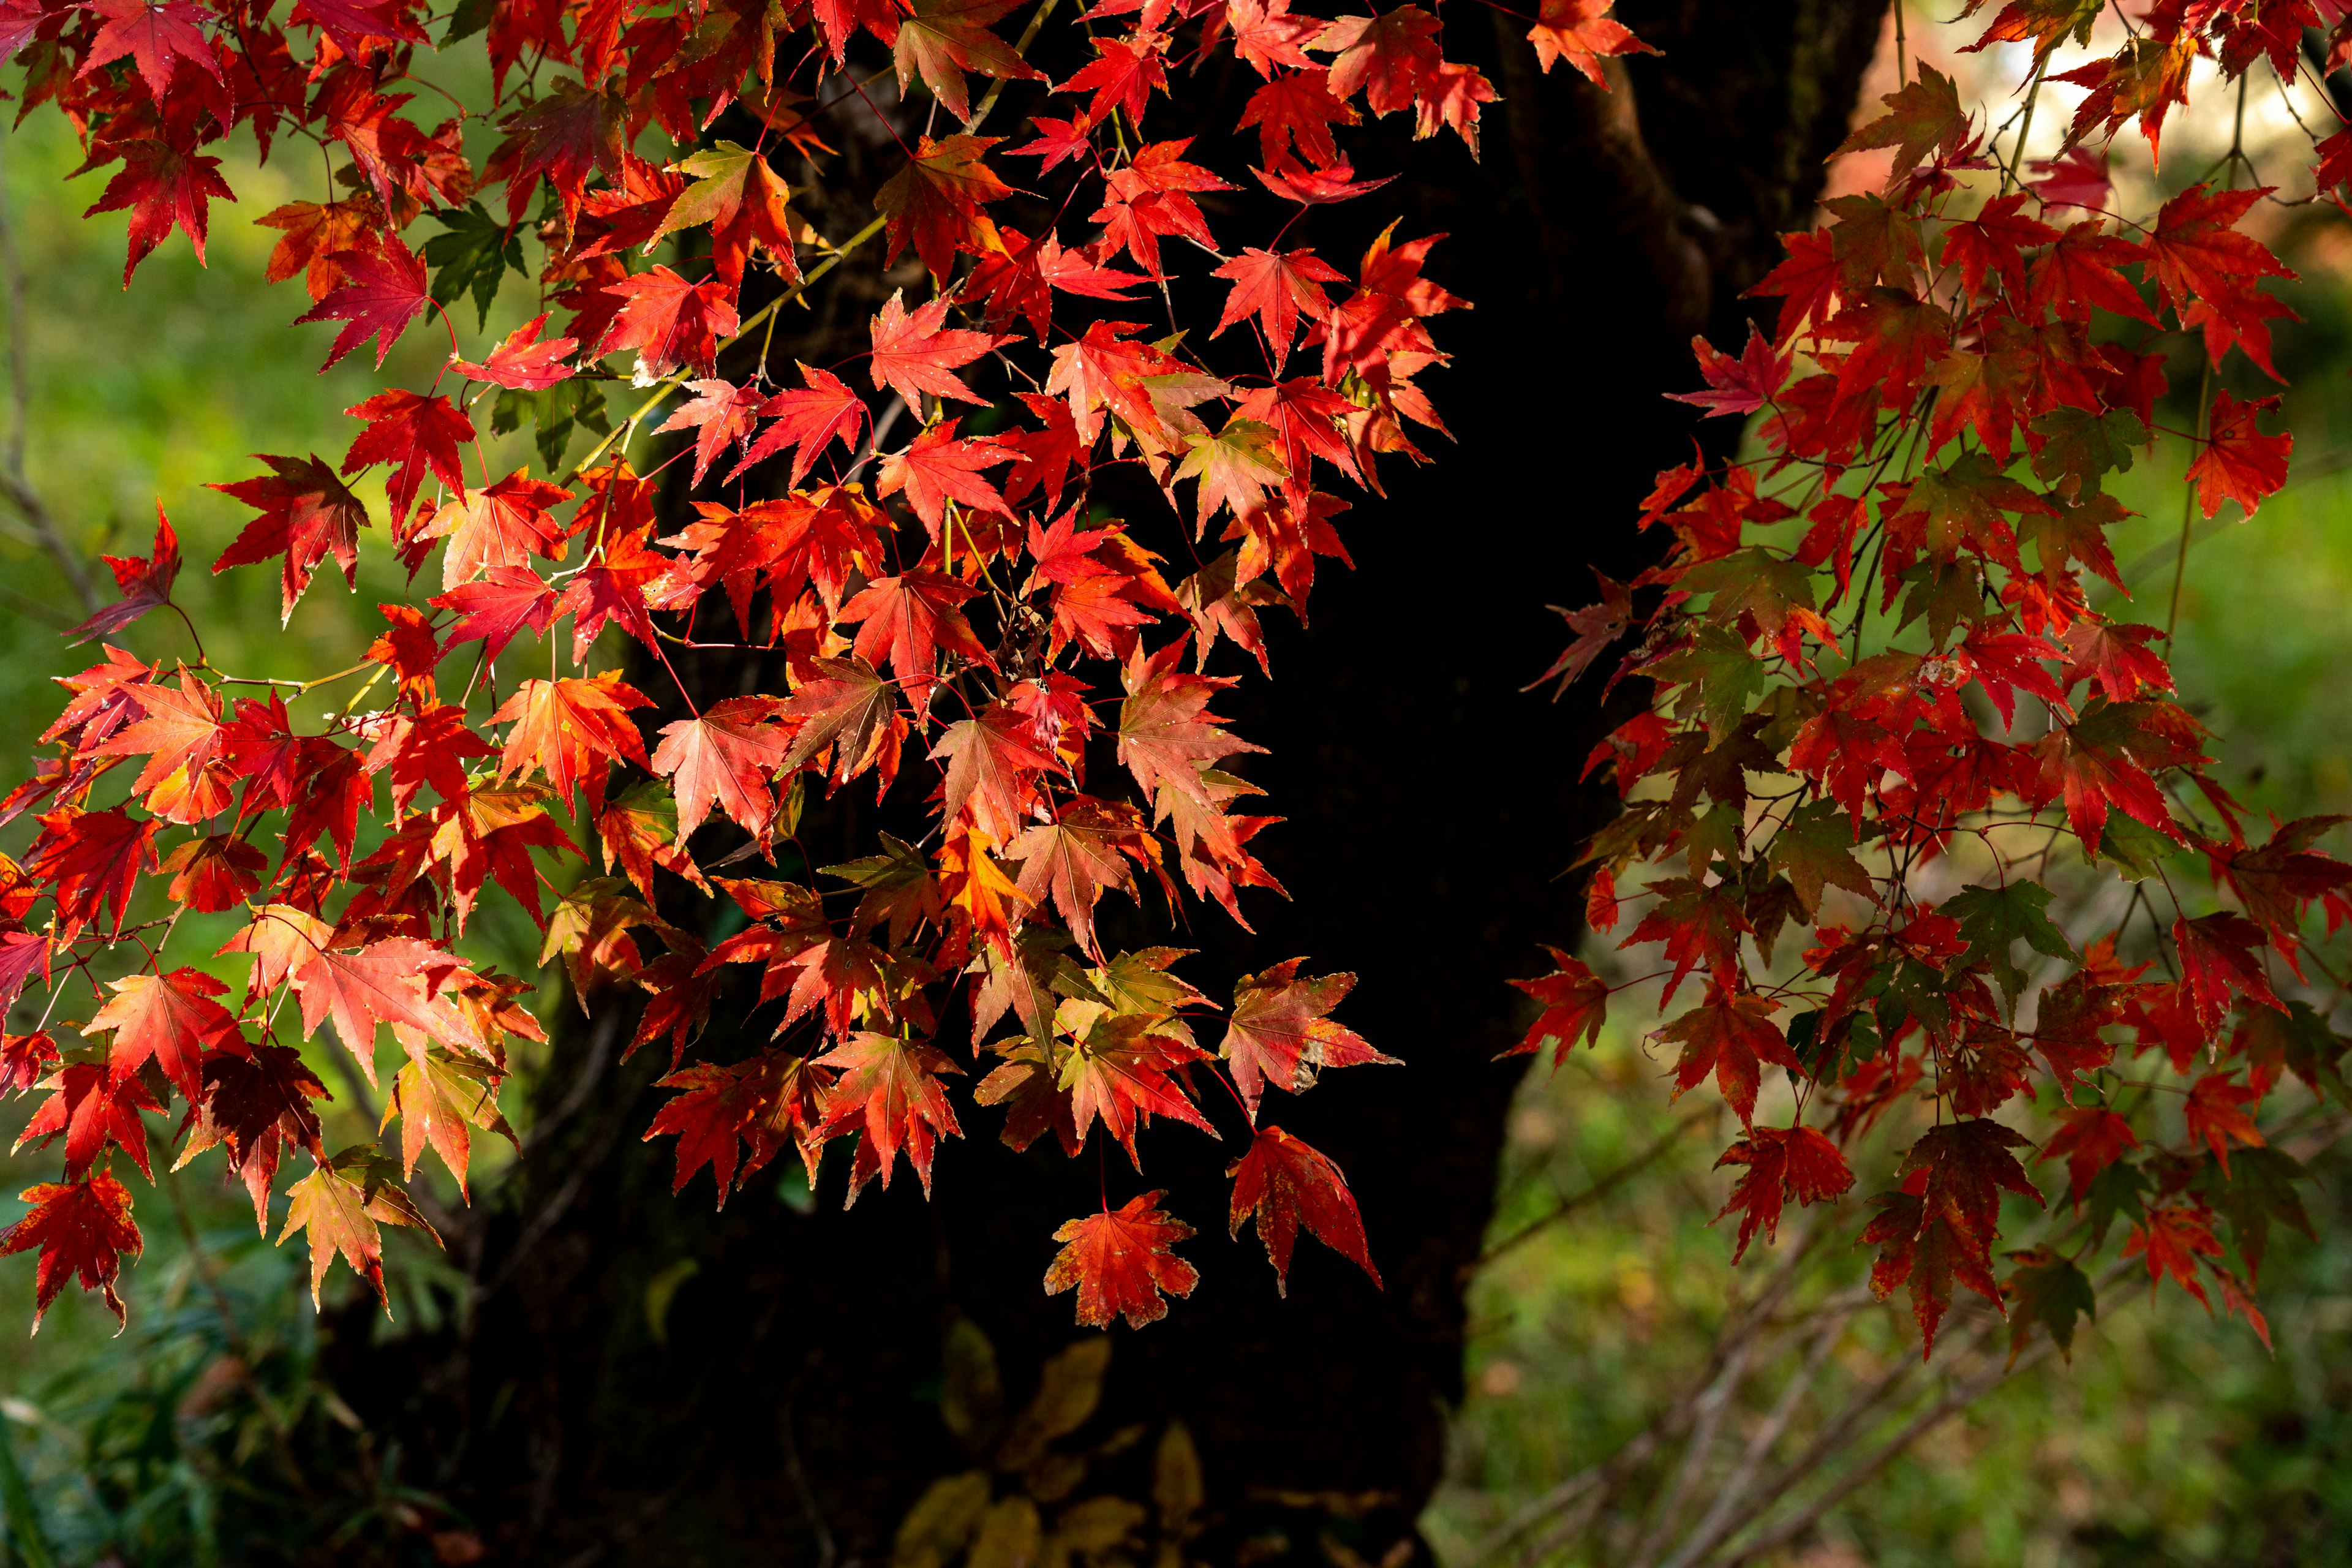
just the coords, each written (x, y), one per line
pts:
(786, 1412)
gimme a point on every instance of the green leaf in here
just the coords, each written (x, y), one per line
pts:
(468, 17)
(2116, 1193)
(1815, 848)
(1752, 582)
(474, 255)
(2137, 850)
(1993, 918)
(2078, 446)
(555, 411)
(1718, 677)
(2048, 1293)
(2259, 1189)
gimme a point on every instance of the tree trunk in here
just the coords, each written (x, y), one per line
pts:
(784, 1407)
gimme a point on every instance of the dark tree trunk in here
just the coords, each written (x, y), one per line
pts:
(789, 1413)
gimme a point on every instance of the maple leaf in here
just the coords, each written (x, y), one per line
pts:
(338, 1207)
(521, 362)
(416, 436)
(2216, 1116)
(1284, 1182)
(1995, 918)
(384, 983)
(156, 37)
(990, 760)
(1166, 731)
(1276, 287)
(1922, 115)
(1728, 1036)
(1582, 33)
(1122, 75)
(670, 321)
(1575, 1002)
(2172, 1240)
(823, 410)
(2093, 1138)
(1386, 57)
(914, 354)
(439, 1097)
(93, 1109)
(215, 873)
(852, 708)
(1121, 1263)
(933, 203)
(1294, 114)
(1149, 199)
(1782, 1163)
(721, 414)
(573, 730)
(2221, 958)
(499, 525)
(82, 1229)
(256, 1105)
(497, 608)
(143, 580)
(1125, 1071)
(1266, 35)
(890, 1089)
(568, 133)
(1280, 1033)
(91, 859)
(2049, 1292)
(2238, 463)
(307, 515)
(725, 756)
(772, 1099)
(943, 38)
(908, 618)
(164, 189)
(381, 295)
(936, 467)
(741, 201)
(170, 1018)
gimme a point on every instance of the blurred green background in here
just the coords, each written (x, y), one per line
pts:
(2171, 1438)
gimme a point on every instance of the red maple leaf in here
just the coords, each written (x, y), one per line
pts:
(852, 709)
(93, 1109)
(1296, 111)
(2093, 1138)
(382, 295)
(1276, 287)
(808, 419)
(1021, 278)
(1575, 1002)
(1121, 1263)
(2172, 1240)
(721, 414)
(89, 858)
(1280, 1033)
(164, 187)
(307, 515)
(908, 619)
(944, 38)
(725, 756)
(2240, 463)
(890, 1089)
(1582, 33)
(144, 582)
(933, 203)
(416, 436)
(1165, 733)
(670, 321)
(1728, 1036)
(82, 1229)
(1122, 75)
(1387, 56)
(915, 354)
(2217, 1116)
(156, 37)
(936, 467)
(573, 730)
(499, 526)
(1782, 1163)
(1284, 1182)
(170, 1018)
(387, 982)
(521, 362)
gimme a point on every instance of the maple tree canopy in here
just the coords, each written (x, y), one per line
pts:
(1872, 655)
